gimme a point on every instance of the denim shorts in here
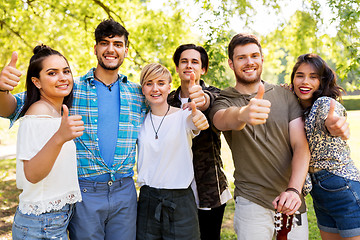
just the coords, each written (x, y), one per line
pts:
(50, 225)
(336, 203)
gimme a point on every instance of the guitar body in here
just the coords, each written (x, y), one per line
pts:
(283, 224)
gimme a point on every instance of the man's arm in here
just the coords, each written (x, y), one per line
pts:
(7, 104)
(9, 78)
(229, 119)
(206, 104)
(289, 201)
(235, 118)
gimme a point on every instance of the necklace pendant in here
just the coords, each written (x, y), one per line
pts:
(156, 131)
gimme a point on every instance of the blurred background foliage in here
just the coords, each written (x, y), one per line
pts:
(157, 27)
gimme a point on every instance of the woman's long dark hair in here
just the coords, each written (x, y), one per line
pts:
(328, 86)
(41, 52)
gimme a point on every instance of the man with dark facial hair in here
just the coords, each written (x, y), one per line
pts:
(263, 126)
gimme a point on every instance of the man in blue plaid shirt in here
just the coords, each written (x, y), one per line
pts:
(112, 109)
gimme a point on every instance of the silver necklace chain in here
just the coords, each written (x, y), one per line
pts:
(152, 123)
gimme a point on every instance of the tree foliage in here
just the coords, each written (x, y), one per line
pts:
(348, 36)
(302, 33)
(68, 25)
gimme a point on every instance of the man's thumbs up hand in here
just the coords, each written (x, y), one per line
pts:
(258, 109)
(196, 93)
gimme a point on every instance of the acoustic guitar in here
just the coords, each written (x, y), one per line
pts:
(283, 224)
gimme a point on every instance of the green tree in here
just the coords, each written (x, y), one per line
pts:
(348, 34)
(282, 46)
(68, 26)
(303, 33)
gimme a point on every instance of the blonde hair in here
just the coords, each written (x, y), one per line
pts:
(153, 71)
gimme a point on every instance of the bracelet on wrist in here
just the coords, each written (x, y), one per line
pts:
(292, 190)
(7, 91)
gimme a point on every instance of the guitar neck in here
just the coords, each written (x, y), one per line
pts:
(281, 236)
(284, 224)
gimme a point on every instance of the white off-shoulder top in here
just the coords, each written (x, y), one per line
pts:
(60, 186)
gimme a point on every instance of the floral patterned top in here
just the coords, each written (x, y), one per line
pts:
(328, 152)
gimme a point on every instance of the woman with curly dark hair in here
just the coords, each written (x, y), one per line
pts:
(334, 176)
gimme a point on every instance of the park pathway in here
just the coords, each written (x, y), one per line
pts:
(7, 151)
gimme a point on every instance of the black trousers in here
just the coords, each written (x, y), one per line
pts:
(210, 222)
(167, 214)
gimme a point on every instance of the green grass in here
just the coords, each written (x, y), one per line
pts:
(314, 233)
(9, 193)
(351, 102)
(8, 196)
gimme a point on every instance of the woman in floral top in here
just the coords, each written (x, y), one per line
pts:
(335, 179)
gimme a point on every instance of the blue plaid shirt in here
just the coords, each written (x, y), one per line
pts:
(85, 103)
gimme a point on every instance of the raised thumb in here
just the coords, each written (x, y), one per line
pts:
(65, 111)
(192, 79)
(261, 91)
(331, 109)
(193, 108)
(13, 60)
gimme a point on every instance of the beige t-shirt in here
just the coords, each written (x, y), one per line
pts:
(262, 154)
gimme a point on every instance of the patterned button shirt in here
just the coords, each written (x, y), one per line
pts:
(132, 112)
(328, 152)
